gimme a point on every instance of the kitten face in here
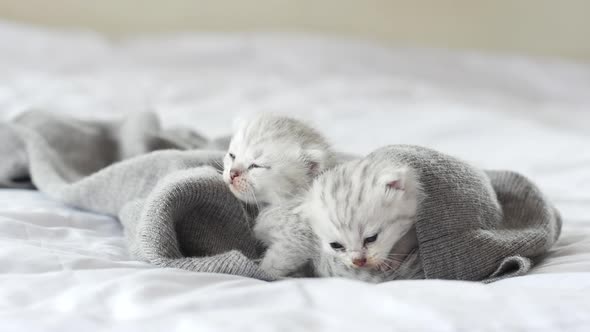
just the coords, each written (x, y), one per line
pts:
(269, 161)
(265, 173)
(359, 211)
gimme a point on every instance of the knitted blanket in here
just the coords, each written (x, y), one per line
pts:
(163, 185)
(471, 224)
(166, 189)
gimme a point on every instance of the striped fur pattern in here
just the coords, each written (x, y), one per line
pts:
(277, 157)
(359, 210)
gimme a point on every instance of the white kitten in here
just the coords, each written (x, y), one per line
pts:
(273, 158)
(290, 241)
(357, 214)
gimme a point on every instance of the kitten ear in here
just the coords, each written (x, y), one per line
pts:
(395, 184)
(395, 179)
(315, 160)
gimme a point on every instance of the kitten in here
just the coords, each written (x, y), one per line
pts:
(290, 241)
(272, 158)
(356, 221)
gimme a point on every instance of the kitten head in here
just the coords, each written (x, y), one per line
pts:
(273, 158)
(360, 210)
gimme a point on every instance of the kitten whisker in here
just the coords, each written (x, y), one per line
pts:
(249, 209)
(219, 164)
(393, 260)
(387, 266)
(251, 190)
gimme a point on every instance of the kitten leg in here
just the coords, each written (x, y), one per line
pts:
(282, 259)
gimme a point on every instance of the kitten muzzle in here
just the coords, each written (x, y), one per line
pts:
(359, 262)
(234, 173)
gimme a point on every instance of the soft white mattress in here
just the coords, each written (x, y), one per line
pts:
(63, 269)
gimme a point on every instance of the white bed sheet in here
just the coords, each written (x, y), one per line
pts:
(63, 269)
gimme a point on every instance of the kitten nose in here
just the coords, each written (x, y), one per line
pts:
(360, 262)
(234, 173)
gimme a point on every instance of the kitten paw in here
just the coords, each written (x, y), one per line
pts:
(272, 271)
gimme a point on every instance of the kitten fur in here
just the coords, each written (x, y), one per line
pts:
(276, 158)
(347, 205)
(289, 240)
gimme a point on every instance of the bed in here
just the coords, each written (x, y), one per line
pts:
(64, 269)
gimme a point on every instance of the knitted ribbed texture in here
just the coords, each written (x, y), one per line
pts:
(474, 225)
(177, 212)
(173, 205)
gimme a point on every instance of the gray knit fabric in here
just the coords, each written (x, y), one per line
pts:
(464, 232)
(177, 212)
(175, 209)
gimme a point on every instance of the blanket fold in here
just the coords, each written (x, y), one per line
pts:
(165, 188)
(475, 225)
(173, 205)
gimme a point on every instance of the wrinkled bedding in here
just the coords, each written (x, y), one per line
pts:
(63, 269)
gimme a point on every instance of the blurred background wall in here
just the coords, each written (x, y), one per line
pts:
(539, 27)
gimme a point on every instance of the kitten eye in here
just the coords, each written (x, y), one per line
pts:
(336, 246)
(370, 239)
(232, 156)
(257, 166)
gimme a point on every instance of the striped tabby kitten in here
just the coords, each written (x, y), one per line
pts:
(356, 222)
(273, 158)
